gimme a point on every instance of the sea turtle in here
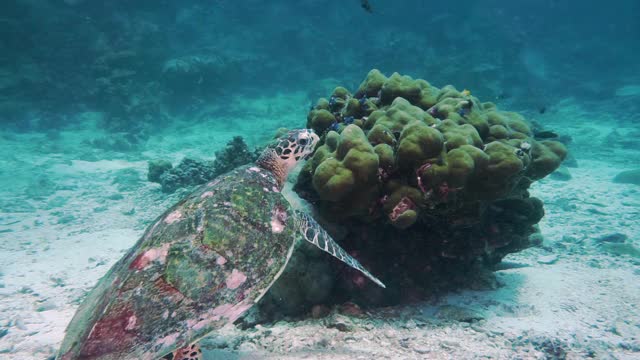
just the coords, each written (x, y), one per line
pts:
(201, 264)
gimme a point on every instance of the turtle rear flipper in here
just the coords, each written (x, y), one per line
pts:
(315, 234)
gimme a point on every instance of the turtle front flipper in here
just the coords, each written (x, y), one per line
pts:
(315, 234)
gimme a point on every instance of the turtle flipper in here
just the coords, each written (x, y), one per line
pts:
(315, 234)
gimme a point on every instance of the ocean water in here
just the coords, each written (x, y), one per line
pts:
(96, 96)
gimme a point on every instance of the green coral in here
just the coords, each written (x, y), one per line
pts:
(398, 86)
(401, 138)
(320, 119)
(457, 135)
(418, 143)
(346, 164)
(504, 161)
(386, 158)
(371, 84)
(546, 158)
(157, 168)
(430, 179)
(398, 115)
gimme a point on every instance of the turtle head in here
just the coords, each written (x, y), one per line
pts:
(284, 154)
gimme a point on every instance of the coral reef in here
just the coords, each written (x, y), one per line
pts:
(190, 172)
(398, 138)
(432, 179)
(157, 168)
(234, 154)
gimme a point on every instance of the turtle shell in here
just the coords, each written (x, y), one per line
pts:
(199, 266)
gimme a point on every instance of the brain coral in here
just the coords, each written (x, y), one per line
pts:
(401, 145)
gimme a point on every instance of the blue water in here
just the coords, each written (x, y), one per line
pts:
(92, 91)
(531, 53)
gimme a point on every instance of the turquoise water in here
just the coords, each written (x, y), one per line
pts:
(91, 93)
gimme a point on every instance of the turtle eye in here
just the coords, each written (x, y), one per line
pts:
(303, 142)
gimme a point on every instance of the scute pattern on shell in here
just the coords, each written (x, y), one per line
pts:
(201, 265)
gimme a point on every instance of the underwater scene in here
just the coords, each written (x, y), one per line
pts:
(357, 179)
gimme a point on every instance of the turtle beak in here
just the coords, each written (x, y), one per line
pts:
(314, 138)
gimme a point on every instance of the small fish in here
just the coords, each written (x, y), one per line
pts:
(366, 6)
(503, 95)
(466, 92)
(545, 134)
(542, 109)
